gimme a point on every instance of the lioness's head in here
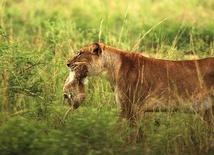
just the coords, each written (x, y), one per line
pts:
(91, 56)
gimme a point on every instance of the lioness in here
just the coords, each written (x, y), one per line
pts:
(142, 84)
(74, 88)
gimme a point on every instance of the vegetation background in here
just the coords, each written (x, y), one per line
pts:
(38, 36)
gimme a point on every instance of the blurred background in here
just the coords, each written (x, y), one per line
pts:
(37, 37)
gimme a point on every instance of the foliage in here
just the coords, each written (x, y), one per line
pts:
(37, 38)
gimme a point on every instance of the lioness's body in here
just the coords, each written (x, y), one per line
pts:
(163, 85)
(143, 84)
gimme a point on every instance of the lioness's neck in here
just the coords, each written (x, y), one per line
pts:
(111, 62)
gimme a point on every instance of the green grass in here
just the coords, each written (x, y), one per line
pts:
(36, 39)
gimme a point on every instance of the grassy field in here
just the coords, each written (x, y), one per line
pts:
(36, 39)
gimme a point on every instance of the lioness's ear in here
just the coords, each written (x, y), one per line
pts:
(96, 49)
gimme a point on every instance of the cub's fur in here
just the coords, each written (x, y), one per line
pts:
(144, 84)
(74, 87)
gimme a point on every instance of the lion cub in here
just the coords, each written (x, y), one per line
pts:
(74, 86)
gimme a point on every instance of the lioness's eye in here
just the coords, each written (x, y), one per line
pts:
(79, 54)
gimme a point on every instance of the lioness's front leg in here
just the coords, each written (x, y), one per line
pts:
(134, 120)
(131, 112)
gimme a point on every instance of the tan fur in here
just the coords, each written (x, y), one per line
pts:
(74, 88)
(144, 84)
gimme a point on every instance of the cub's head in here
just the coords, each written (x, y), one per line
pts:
(81, 70)
(91, 56)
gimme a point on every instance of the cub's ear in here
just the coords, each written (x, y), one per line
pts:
(96, 49)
